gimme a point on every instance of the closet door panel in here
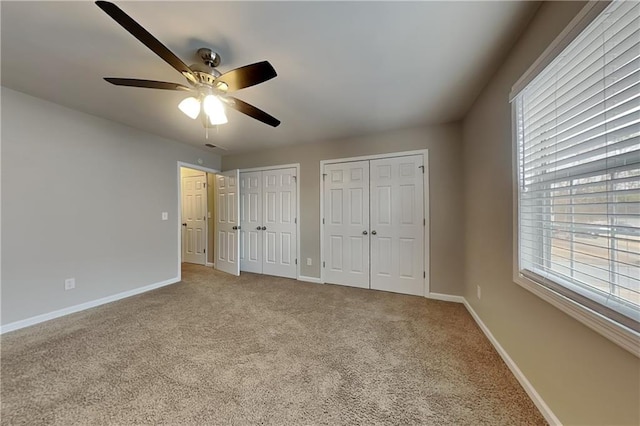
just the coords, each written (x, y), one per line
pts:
(279, 196)
(251, 222)
(397, 225)
(346, 224)
(227, 221)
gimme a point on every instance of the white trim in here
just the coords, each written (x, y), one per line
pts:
(374, 156)
(587, 14)
(427, 213)
(83, 306)
(427, 225)
(542, 406)
(261, 169)
(299, 265)
(445, 297)
(210, 264)
(179, 215)
(310, 279)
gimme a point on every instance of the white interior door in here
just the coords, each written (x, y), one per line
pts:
(279, 222)
(227, 221)
(251, 222)
(194, 219)
(397, 225)
(346, 223)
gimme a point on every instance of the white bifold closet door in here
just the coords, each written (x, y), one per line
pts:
(227, 221)
(268, 222)
(374, 224)
(251, 222)
(346, 223)
(397, 225)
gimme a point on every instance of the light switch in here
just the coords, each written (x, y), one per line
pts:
(165, 216)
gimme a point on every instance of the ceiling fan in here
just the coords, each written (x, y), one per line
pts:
(209, 88)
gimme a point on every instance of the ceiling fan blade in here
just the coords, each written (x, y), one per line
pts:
(148, 84)
(146, 38)
(252, 111)
(246, 76)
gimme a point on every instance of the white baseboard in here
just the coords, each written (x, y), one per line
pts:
(310, 279)
(209, 264)
(83, 306)
(528, 387)
(445, 297)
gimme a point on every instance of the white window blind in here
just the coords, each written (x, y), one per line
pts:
(578, 139)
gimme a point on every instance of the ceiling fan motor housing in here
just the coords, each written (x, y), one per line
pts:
(209, 57)
(206, 72)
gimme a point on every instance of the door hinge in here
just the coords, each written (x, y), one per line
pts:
(296, 261)
(324, 175)
(323, 264)
(204, 250)
(295, 220)
(295, 178)
(323, 220)
(424, 274)
(424, 222)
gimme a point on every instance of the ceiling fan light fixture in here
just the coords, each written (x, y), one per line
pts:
(214, 109)
(204, 79)
(191, 107)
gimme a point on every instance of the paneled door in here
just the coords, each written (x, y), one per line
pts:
(397, 224)
(251, 222)
(227, 222)
(279, 222)
(194, 219)
(346, 223)
(269, 222)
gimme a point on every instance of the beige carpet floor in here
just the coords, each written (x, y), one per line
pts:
(255, 350)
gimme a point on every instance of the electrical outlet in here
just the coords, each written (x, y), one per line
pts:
(165, 216)
(479, 293)
(69, 283)
(308, 261)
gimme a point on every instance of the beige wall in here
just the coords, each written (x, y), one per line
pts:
(443, 143)
(583, 377)
(83, 197)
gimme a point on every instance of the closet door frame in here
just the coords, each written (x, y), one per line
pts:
(287, 166)
(427, 253)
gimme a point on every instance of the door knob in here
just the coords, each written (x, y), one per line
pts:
(373, 232)
(264, 228)
(258, 228)
(364, 232)
(184, 224)
(234, 228)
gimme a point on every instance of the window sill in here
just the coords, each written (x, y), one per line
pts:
(619, 334)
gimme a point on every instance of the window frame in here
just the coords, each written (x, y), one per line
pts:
(612, 330)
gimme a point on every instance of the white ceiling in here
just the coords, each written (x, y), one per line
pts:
(344, 68)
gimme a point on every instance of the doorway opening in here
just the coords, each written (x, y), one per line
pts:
(196, 214)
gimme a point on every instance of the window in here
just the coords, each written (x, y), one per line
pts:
(577, 131)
